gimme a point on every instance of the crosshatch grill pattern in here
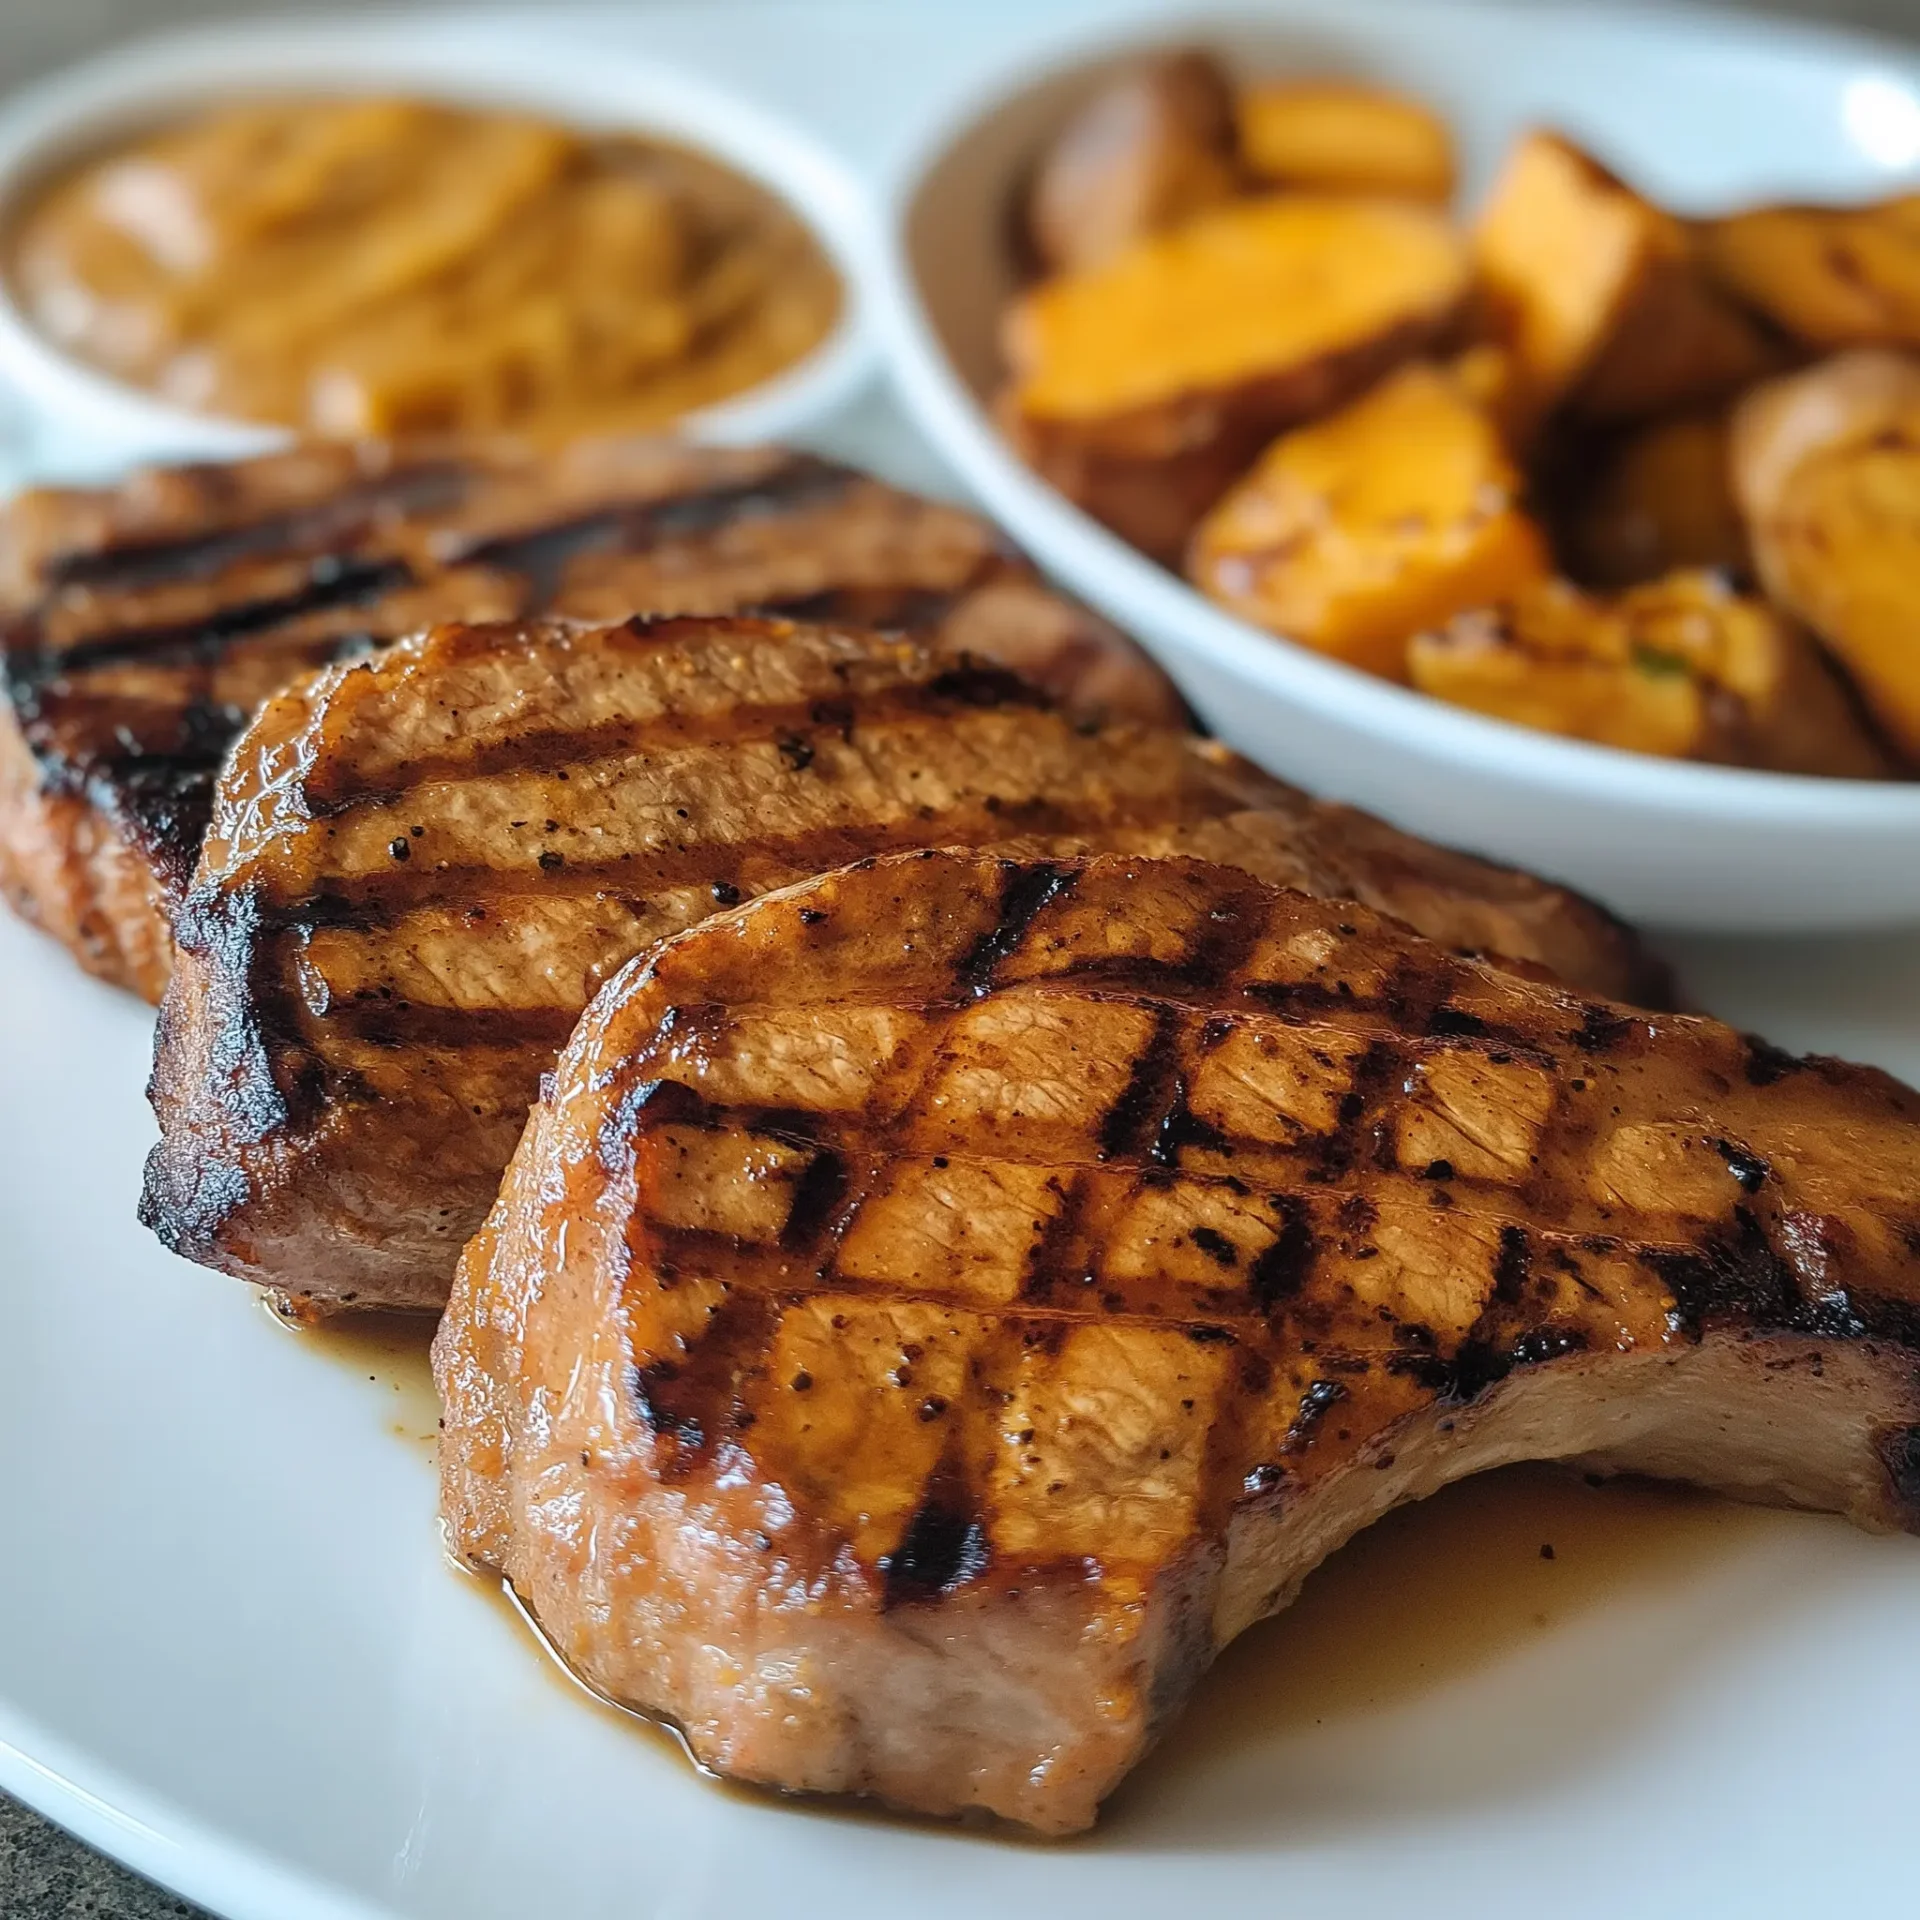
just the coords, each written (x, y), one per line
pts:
(1289, 1175)
(148, 623)
(423, 865)
(950, 1233)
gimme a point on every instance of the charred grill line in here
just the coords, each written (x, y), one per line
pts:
(131, 565)
(945, 1544)
(377, 898)
(817, 1201)
(1282, 1268)
(1134, 1118)
(1025, 892)
(331, 583)
(691, 1403)
(579, 750)
(1058, 1261)
(540, 553)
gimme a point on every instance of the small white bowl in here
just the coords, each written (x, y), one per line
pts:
(1704, 108)
(83, 417)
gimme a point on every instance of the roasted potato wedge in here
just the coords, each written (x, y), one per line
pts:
(1151, 147)
(1142, 387)
(1826, 467)
(1683, 667)
(1600, 296)
(1831, 276)
(1657, 498)
(1336, 137)
(1356, 531)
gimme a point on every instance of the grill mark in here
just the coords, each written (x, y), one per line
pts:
(1277, 1274)
(374, 1018)
(132, 565)
(1512, 1267)
(331, 583)
(572, 748)
(901, 608)
(80, 756)
(945, 1544)
(375, 898)
(1025, 892)
(817, 1200)
(688, 1404)
(541, 553)
(1283, 1267)
(1125, 1125)
(1735, 1270)
(1484, 1356)
(1155, 1086)
(1058, 1259)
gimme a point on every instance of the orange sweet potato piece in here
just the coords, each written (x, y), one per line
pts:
(1150, 147)
(1600, 295)
(1339, 137)
(1826, 466)
(1683, 667)
(1657, 498)
(1831, 276)
(1142, 387)
(1356, 531)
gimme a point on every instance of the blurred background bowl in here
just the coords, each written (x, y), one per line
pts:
(80, 419)
(1704, 111)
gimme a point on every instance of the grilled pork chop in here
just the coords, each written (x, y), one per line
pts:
(140, 628)
(936, 1307)
(422, 866)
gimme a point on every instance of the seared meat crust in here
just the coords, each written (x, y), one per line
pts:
(423, 864)
(141, 627)
(934, 1308)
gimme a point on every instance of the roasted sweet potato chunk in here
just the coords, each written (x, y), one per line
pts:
(1600, 295)
(1826, 465)
(1337, 137)
(1356, 531)
(1142, 387)
(1831, 276)
(1654, 499)
(1152, 146)
(1683, 667)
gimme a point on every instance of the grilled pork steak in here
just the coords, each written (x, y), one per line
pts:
(144, 626)
(423, 864)
(939, 1305)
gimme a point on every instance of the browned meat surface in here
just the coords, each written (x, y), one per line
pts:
(937, 1306)
(423, 864)
(141, 627)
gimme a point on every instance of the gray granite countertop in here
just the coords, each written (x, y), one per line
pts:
(44, 1874)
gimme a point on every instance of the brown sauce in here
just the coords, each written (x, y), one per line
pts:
(387, 266)
(1431, 1595)
(392, 1351)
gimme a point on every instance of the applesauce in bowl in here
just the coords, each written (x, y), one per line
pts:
(381, 264)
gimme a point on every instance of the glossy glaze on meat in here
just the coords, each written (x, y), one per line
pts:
(144, 625)
(423, 865)
(937, 1306)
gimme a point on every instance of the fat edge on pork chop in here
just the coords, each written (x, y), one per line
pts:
(936, 1307)
(423, 864)
(141, 626)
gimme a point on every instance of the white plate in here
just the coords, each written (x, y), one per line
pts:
(231, 1654)
(1704, 112)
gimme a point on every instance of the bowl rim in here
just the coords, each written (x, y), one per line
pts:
(1137, 592)
(142, 83)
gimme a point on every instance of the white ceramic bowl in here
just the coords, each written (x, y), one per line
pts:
(1698, 118)
(86, 418)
